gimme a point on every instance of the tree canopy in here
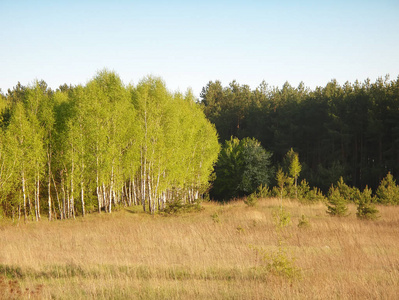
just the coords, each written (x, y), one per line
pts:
(242, 167)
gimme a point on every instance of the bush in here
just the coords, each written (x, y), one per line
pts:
(285, 186)
(177, 206)
(262, 191)
(345, 191)
(303, 222)
(306, 194)
(336, 205)
(388, 191)
(366, 209)
(277, 262)
(251, 200)
(215, 217)
(174, 207)
(281, 218)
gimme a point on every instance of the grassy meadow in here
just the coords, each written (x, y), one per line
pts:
(222, 252)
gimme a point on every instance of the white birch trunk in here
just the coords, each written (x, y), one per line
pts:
(49, 184)
(72, 203)
(149, 191)
(63, 195)
(99, 200)
(105, 199)
(111, 190)
(134, 191)
(24, 194)
(37, 197)
(82, 198)
(57, 196)
(143, 184)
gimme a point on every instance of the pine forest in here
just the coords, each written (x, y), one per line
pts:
(350, 130)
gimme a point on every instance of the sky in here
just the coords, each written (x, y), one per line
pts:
(189, 43)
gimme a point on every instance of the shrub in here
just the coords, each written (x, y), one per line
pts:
(303, 190)
(174, 207)
(215, 217)
(251, 200)
(281, 218)
(277, 262)
(177, 206)
(366, 209)
(285, 186)
(262, 191)
(345, 191)
(336, 205)
(388, 191)
(306, 194)
(303, 222)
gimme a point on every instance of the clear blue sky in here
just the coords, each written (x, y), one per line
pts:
(189, 43)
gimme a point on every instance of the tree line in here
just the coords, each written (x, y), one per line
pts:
(349, 131)
(88, 148)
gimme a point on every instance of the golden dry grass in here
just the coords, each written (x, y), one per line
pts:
(205, 255)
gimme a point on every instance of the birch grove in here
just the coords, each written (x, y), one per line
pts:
(103, 145)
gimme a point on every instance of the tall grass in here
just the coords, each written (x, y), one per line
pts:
(204, 255)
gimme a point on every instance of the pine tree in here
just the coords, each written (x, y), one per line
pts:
(336, 204)
(345, 191)
(294, 169)
(365, 208)
(281, 179)
(388, 191)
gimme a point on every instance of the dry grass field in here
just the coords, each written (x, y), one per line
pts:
(204, 255)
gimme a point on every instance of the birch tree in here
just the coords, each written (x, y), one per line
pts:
(150, 99)
(8, 178)
(25, 141)
(114, 118)
(294, 168)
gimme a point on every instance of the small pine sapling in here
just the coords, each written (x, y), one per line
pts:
(388, 191)
(251, 200)
(366, 209)
(336, 205)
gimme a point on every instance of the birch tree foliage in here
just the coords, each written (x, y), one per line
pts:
(194, 143)
(3, 106)
(78, 155)
(7, 162)
(176, 155)
(151, 99)
(8, 176)
(178, 130)
(206, 149)
(24, 139)
(92, 147)
(113, 118)
(102, 129)
(45, 115)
